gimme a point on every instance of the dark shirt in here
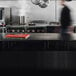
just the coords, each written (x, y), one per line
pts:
(1, 13)
(65, 18)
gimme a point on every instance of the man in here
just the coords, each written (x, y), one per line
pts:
(65, 19)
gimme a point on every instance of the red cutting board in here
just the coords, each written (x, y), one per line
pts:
(17, 36)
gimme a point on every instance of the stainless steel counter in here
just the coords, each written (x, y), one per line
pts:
(38, 36)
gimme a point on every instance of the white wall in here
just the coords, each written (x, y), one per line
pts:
(33, 12)
(47, 13)
(52, 12)
(8, 3)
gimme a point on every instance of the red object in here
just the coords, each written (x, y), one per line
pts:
(17, 35)
(3, 24)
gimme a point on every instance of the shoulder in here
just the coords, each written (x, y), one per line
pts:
(66, 8)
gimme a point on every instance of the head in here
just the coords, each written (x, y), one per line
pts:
(63, 1)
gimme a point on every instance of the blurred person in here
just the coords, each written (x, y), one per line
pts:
(65, 20)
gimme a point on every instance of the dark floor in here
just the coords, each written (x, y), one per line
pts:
(37, 61)
(43, 56)
(37, 55)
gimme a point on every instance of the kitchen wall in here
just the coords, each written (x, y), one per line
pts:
(33, 12)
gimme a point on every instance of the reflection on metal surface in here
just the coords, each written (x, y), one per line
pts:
(22, 20)
(65, 37)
